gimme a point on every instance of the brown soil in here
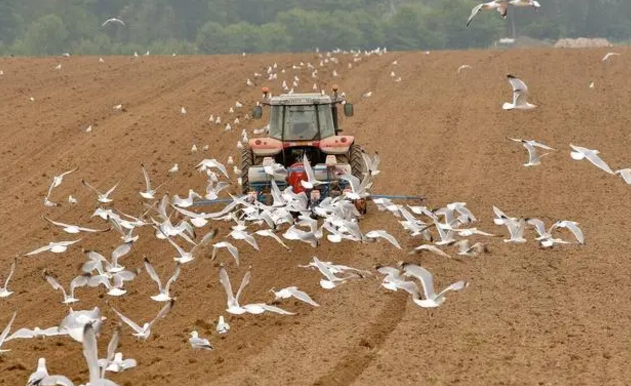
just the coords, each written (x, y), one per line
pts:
(529, 316)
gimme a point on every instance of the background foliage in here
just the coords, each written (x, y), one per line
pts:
(47, 27)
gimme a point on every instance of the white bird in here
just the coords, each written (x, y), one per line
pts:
(145, 331)
(464, 66)
(5, 332)
(222, 326)
(573, 227)
(516, 230)
(233, 300)
(54, 247)
(465, 249)
(609, 55)
(525, 3)
(102, 197)
(74, 229)
(74, 323)
(430, 248)
(625, 174)
(372, 164)
(173, 170)
(194, 148)
(520, 95)
(331, 280)
(72, 200)
(4, 291)
(210, 164)
(118, 364)
(149, 193)
(183, 110)
(90, 353)
(384, 235)
(199, 343)
(238, 104)
(112, 20)
(293, 291)
(77, 282)
(25, 333)
(249, 83)
(270, 233)
(58, 67)
(231, 248)
(580, 153)
(359, 189)
(117, 107)
(57, 180)
(163, 295)
(367, 94)
(500, 5)
(432, 299)
(41, 377)
(533, 157)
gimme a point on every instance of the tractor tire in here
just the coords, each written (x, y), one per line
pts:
(356, 161)
(247, 159)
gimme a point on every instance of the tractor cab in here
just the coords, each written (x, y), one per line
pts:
(299, 125)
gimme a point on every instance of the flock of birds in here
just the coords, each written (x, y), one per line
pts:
(287, 218)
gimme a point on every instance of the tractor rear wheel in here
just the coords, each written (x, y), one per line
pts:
(357, 170)
(246, 162)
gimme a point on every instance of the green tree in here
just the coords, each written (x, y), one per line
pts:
(10, 21)
(274, 38)
(211, 39)
(46, 36)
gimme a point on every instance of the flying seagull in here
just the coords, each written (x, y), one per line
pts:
(500, 5)
(112, 20)
(533, 157)
(520, 95)
(580, 153)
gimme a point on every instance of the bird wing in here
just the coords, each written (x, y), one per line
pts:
(54, 283)
(57, 223)
(6, 330)
(474, 12)
(11, 271)
(307, 166)
(22, 333)
(225, 282)
(541, 145)
(324, 270)
(163, 312)
(112, 188)
(90, 352)
(244, 282)
(111, 347)
(520, 90)
(533, 157)
(127, 321)
(147, 181)
(426, 278)
(121, 251)
(38, 250)
(173, 278)
(431, 248)
(152, 273)
(303, 296)
(85, 183)
(598, 162)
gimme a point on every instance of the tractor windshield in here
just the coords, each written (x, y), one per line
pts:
(301, 123)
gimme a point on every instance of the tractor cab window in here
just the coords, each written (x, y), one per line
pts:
(301, 122)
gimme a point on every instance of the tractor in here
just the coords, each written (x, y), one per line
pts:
(299, 125)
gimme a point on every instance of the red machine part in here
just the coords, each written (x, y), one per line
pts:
(295, 176)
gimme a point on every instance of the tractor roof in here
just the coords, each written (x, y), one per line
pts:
(300, 99)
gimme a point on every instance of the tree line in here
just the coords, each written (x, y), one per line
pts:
(50, 27)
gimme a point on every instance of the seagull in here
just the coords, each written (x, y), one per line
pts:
(533, 157)
(432, 299)
(73, 229)
(609, 55)
(516, 230)
(4, 291)
(117, 107)
(430, 248)
(57, 180)
(25, 333)
(118, 364)
(464, 66)
(231, 248)
(149, 193)
(199, 343)
(102, 197)
(5, 332)
(500, 5)
(270, 233)
(573, 227)
(625, 174)
(96, 260)
(385, 235)
(233, 300)
(331, 280)
(145, 331)
(359, 189)
(222, 326)
(75, 322)
(54, 247)
(112, 20)
(79, 281)
(520, 95)
(464, 249)
(212, 163)
(372, 164)
(90, 353)
(580, 153)
(289, 292)
(41, 376)
(163, 296)
(173, 170)
(183, 110)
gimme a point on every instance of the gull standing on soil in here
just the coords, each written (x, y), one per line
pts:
(432, 299)
(580, 153)
(199, 343)
(533, 157)
(4, 291)
(54, 247)
(145, 331)
(222, 326)
(74, 229)
(500, 5)
(520, 95)
(173, 170)
(41, 376)
(293, 291)
(163, 296)
(5, 332)
(102, 197)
